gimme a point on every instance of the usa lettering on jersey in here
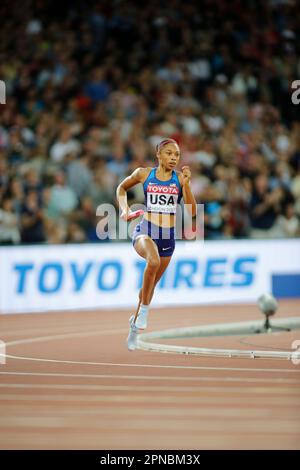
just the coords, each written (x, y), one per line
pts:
(162, 198)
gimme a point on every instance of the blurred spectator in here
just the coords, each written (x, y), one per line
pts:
(9, 230)
(118, 164)
(62, 199)
(97, 88)
(63, 146)
(79, 175)
(32, 225)
(288, 224)
(216, 215)
(264, 208)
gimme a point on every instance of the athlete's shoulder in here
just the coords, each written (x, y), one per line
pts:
(143, 173)
(148, 169)
(139, 174)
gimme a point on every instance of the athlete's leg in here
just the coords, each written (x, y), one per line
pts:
(164, 262)
(147, 248)
(141, 314)
(157, 263)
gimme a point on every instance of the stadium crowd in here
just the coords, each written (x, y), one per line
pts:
(92, 87)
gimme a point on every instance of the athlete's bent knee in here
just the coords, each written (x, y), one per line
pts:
(153, 263)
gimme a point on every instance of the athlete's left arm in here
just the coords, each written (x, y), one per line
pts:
(188, 196)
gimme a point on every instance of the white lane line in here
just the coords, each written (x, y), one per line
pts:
(152, 366)
(156, 377)
(107, 332)
(78, 328)
(65, 336)
(157, 388)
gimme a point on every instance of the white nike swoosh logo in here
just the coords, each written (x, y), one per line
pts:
(167, 248)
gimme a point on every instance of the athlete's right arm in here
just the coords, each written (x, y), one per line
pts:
(138, 176)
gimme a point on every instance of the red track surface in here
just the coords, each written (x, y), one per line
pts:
(109, 398)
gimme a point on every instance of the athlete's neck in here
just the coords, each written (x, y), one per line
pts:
(163, 173)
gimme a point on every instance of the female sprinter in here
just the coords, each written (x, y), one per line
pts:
(154, 237)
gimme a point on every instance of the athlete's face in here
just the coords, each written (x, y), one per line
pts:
(169, 156)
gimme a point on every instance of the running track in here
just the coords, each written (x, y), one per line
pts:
(70, 383)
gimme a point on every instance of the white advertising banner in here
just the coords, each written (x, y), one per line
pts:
(108, 275)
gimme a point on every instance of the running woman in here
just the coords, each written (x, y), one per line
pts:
(154, 237)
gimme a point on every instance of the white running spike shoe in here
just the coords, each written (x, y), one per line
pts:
(133, 333)
(141, 321)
